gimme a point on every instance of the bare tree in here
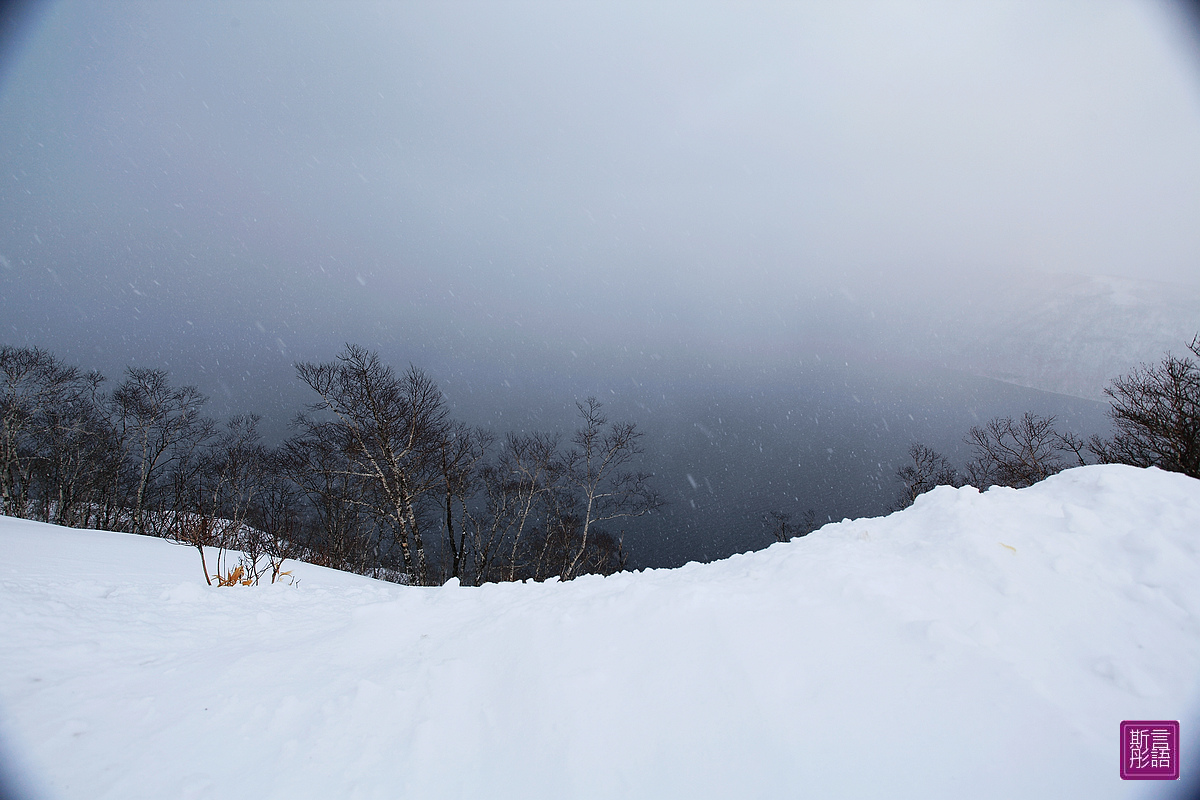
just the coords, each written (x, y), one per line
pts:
(157, 425)
(928, 469)
(317, 463)
(459, 453)
(784, 530)
(514, 488)
(77, 455)
(597, 471)
(31, 382)
(214, 489)
(57, 454)
(1155, 411)
(275, 514)
(1019, 453)
(394, 426)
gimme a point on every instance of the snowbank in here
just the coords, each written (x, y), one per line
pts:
(974, 645)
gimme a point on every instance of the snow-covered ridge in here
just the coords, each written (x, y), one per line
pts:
(974, 645)
(1069, 334)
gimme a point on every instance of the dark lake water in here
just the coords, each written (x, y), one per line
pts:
(728, 445)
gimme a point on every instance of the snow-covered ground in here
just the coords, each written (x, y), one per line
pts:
(973, 646)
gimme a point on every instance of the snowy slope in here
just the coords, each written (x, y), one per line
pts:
(974, 645)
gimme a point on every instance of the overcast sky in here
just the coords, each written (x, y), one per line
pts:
(502, 180)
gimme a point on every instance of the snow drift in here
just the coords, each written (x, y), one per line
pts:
(975, 645)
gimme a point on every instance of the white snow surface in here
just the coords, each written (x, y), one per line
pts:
(976, 645)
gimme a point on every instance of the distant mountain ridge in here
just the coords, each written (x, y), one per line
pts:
(1069, 334)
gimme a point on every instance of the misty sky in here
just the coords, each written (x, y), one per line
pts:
(473, 184)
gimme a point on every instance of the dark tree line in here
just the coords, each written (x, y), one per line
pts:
(378, 479)
(1155, 413)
